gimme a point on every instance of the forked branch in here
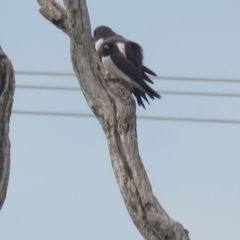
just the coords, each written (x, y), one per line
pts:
(115, 109)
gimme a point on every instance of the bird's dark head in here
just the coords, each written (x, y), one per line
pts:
(103, 32)
(108, 49)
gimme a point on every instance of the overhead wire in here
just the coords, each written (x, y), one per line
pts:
(180, 78)
(142, 117)
(173, 92)
(167, 118)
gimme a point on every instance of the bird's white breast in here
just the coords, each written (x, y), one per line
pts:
(113, 70)
(117, 73)
(98, 44)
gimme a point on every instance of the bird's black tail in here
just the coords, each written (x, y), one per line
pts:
(139, 95)
(150, 92)
(149, 71)
(146, 77)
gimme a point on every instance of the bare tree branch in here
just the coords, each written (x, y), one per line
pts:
(115, 109)
(7, 86)
(55, 13)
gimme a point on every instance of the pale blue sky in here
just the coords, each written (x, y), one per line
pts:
(61, 183)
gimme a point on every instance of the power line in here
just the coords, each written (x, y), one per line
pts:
(205, 79)
(46, 87)
(45, 73)
(177, 78)
(168, 118)
(201, 93)
(69, 88)
(142, 117)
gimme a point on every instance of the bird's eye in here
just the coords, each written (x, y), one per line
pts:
(106, 47)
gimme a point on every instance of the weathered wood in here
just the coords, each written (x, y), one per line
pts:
(7, 86)
(115, 109)
(55, 13)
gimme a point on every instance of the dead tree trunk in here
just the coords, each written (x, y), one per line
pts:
(7, 85)
(115, 109)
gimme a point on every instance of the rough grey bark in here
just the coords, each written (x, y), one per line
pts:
(115, 109)
(7, 86)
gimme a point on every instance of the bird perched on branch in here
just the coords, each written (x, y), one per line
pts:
(123, 59)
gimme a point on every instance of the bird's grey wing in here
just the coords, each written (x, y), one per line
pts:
(137, 52)
(133, 73)
(138, 60)
(134, 55)
(127, 67)
(139, 56)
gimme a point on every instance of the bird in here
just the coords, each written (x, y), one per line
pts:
(119, 66)
(131, 50)
(102, 33)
